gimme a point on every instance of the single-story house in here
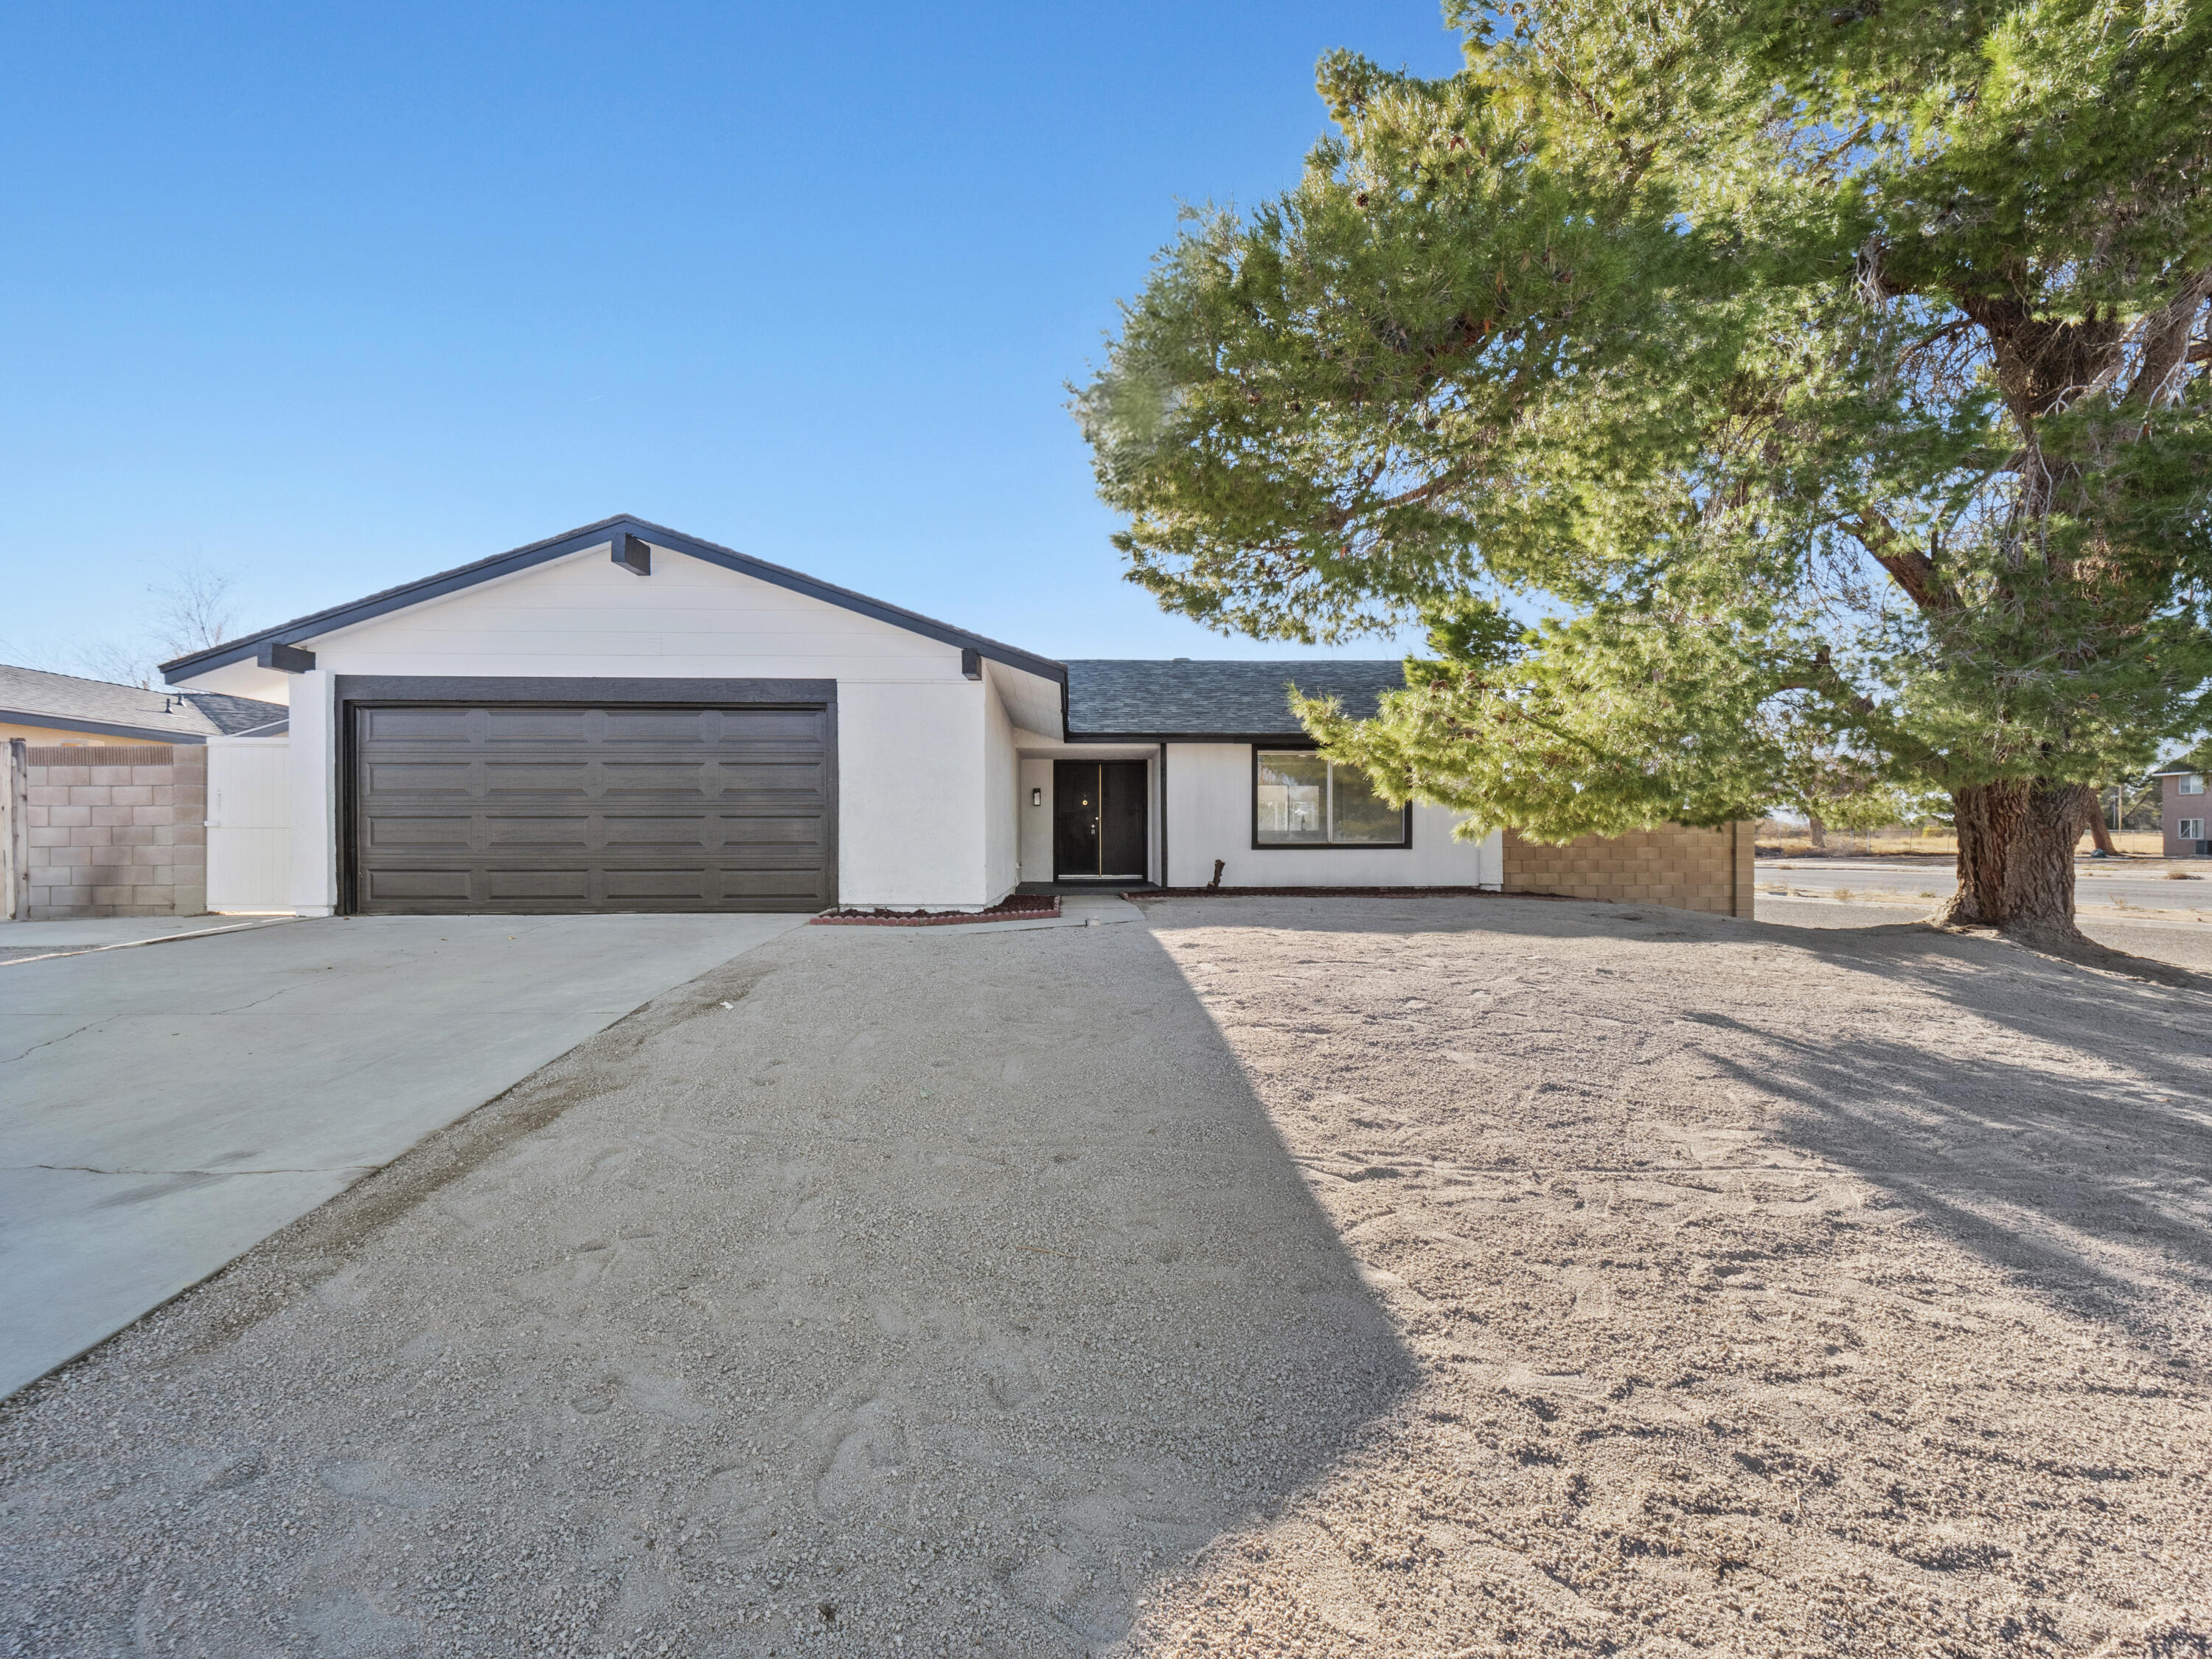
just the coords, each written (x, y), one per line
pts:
(2183, 809)
(628, 718)
(64, 711)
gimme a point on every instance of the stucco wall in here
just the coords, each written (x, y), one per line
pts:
(1001, 820)
(115, 831)
(1035, 774)
(1705, 870)
(1209, 816)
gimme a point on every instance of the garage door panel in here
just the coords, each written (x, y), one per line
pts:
(572, 886)
(387, 886)
(695, 882)
(423, 725)
(566, 779)
(672, 726)
(504, 726)
(525, 807)
(571, 833)
(774, 883)
(734, 726)
(392, 830)
(684, 829)
(446, 780)
(750, 832)
(694, 778)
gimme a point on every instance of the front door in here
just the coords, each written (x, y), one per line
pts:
(1099, 829)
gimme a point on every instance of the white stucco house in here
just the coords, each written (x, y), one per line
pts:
(626, 718)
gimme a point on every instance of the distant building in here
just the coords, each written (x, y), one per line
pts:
(2183, 808)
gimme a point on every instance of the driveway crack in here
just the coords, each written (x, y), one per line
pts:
(50, 1042)
(256, 1001)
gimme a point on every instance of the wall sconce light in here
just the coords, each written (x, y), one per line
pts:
(1037, 797)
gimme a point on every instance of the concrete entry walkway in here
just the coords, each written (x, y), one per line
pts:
(163, 1109)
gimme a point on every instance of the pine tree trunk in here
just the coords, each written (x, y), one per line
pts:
(1819, 832)
(2016, 859)
(2102, 835)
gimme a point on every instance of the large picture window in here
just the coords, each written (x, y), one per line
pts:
(1301, 800)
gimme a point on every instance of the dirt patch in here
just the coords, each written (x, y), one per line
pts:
(1775, 1292)
(1313, 1276)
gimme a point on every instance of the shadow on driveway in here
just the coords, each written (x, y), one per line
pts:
(919, 1289)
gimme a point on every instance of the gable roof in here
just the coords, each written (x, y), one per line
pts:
(1147, 701)
(30, 696)
(577, 541)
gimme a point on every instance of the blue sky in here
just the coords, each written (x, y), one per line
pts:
(329, 297)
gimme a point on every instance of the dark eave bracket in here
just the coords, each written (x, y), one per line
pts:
(285, 659)
(633, 553)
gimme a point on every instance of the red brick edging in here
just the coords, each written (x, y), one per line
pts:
(881, 918)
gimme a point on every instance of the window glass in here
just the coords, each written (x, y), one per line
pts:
(1292, 798)
(1302, 801)
(1357, 814)
(2192, 783)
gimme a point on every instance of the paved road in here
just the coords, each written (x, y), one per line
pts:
(2184, 944)
(164, 1108)
(2139, 884)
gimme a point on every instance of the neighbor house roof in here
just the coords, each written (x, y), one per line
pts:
(1228, 701)
(576, 541)
(2176, 769)
(30, 697)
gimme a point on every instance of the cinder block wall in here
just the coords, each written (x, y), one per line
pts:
(115, 830)
(1690, 869)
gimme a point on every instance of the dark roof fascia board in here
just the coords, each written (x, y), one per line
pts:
(2174, 769)
(577, 541)
(1288, 739)
(64, 723)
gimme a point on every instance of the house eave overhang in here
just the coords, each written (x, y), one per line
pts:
(321, 622)
(101, 728)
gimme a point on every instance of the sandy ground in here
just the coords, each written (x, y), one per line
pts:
(1317, 1277)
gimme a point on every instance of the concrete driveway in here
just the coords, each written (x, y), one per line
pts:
(164, 1108)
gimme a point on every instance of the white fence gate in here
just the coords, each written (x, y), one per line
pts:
(249, 824)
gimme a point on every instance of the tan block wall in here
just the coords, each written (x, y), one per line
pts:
(1705, 870)
(116, 831)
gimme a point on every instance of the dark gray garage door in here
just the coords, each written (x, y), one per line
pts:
(534, 807)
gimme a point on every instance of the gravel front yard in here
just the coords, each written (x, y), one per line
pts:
(1307, 1276)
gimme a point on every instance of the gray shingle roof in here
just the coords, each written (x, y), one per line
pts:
(1216, 699)
(30, 696)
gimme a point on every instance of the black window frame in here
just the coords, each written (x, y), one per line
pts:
(1404, 844)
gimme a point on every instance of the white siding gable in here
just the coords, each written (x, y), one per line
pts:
(585, 615)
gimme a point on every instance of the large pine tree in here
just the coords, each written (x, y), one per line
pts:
(1829, 383)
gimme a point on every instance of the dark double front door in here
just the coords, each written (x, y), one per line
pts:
(1098, 821)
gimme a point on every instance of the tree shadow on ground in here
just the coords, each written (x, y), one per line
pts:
(2053, 1119)
(881, 1283)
